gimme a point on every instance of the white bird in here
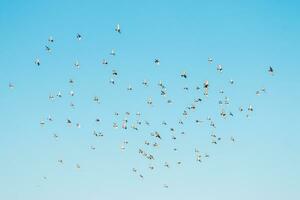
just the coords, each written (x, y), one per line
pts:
(250, 108)
(118, 29)
(112, 53)
(37, 62)
(219, 68)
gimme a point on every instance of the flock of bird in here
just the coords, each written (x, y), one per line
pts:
(154, 138)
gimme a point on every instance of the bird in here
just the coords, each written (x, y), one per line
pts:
(129, 88)
(92, 147)
(271, 70)
(72, 93)
(76, 64)
(69, 122)
(145, 83)
(157, 135)
(118, 29)
(167, 165)
(48, 49)
(11, 86)
(37, 62)
(219, 68)
(59, 94)
(149, 101)
(78, 36)
(112, 53)
(96, 99)
(50, 39)
(232, 139)
(157, 61)
(42, 122)
(104, 62)
(250, 108)
(183, 75)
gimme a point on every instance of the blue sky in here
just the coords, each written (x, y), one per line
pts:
(245, 37)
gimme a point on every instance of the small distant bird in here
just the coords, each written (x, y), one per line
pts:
(104, 62)
(250, 108)
(271, 70)
(51, 97)
(59, 94)
(210, 60)
(37, 62)
(118, 29)
(50, 39)
(76, 64)
(112, 81)
(157, 61)
(48, 49)
(145, 83)
(112, 53)
(42, 123)
(183, 75)
(50, 118)
(167, 165)
(11, 86)
(122, 147)
(69, 121)
(78, 36)
(157, 135)
(129, 88)
(232, 139)
(219, 68)
(149, 101)
(205, 84)
(96, 99)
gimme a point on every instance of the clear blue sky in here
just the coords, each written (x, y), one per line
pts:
(244, 36)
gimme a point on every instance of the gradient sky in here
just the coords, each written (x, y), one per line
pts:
(244, 36)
